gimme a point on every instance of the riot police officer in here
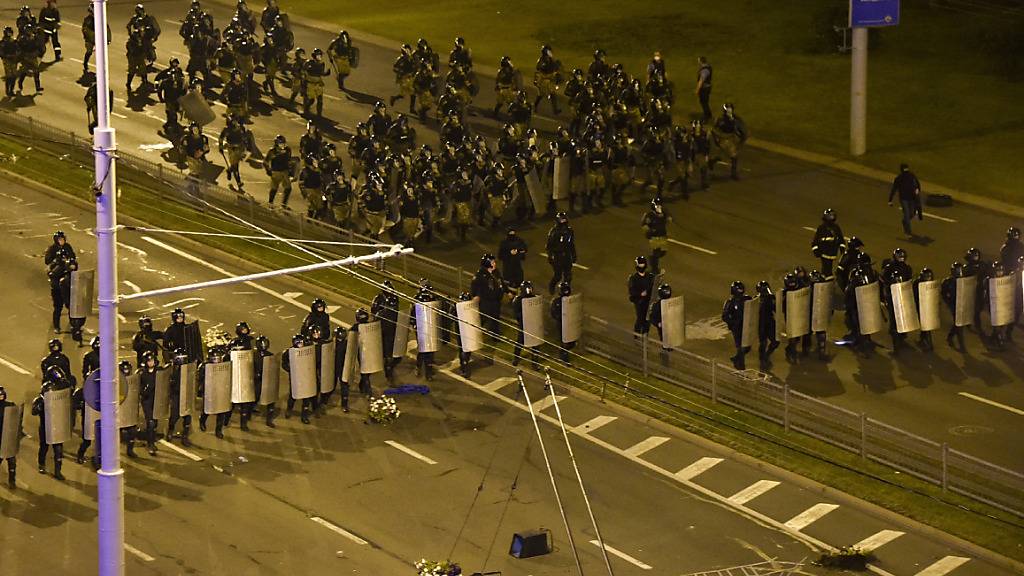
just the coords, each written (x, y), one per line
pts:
(657, 316)
(949, 297)
(828, 242)
(233, 143)
(315, 71)
(640, 287)
(732, 315)
(147, 395)
(279, 165)
(127, 433)
(90, 362)
(385, 309)
(525, 291)
(894, 271)
(767, 341)
(425, 360)
(263, 351)
(977, 266)
(340, 348)
(512, 252)
(76, 324)
(59, 273)
(655, 225)
(179, 359)
(1011, 250)
(55, 358)
(730, 134)
(145, 340)
(243, 340)
(863, 274)
(547, 78)
(194, 147)
(12, 461)
(561, 248)
(564, 290)
(49, 22)
(848, 261)
(342, 56)
(215, 355)
(318, 317)
(790, 283)
(174, 334)
(55, 380)
(55, 258)
(170, 84)
(926, 275)
(488, 288)
(299, 341)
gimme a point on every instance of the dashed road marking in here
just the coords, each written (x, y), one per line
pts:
(339, 530)
(692, 247)
(580, 266)
(943, 218)
(943, 566)
(135, 287)
(14, 367)
(810, 516)
(878, 540)
(409, 451)
(182, 451)
(992, 403)
(753, 491)
(545, 403)
(594, 423)
(645, 446)
(138, 553)
(697, 468)
(623, 555)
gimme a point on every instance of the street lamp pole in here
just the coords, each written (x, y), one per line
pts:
(110, 482)
(859, 91)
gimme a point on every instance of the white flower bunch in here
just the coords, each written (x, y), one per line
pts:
(216, 337)
(432, 568)
(384, 409)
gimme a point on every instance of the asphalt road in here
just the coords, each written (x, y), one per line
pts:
(339, 495)
(752, 229)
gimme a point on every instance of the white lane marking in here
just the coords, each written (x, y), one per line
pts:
(292, 294)
(132, 249)
(332, 97)
(14, 367)
(121, 116)
(697, 468)
(580, 266)
(141, 555)
(692, 247)
(135, 287)
(71, 24)
(878, 540)
(943, 218)
(645, 446)
(409, 451)
(332, 309)
(339, 530)
(499, 383)
(190, 299)
(545, 403)
(182, 451)
(121, 318)
(809, 229)
(992, 403)
(594, 423)
(811, 515)
(753, 491)
(623, 555)
(943, 566)
(169, 21)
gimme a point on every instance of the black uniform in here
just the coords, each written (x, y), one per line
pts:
(222, 418)
(385, 309)
(732, 315)
(909, 190)
(308, 404)
(488, 288)
(425, 360)
(49, 21)
(176, 390)
(511, 254)
(828, 241)
(561, 249)
(894, 272)
(641, 288)
(12, 462)
(39, 409)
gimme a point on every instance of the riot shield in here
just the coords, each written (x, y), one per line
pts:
(928, 305)
(196, 108)
(216, 387)
(194, 342)
(57, 404)
(470, 337)
(10, 434)
(821, 306)
(561, 181)
(270, 384)
(428, 334)
(538, 195)
(188, 375)
(1000, 300)
(89, 423)
(350, 365)
(128, 410)
(869, 309)
(572, 318)
(162, 395)
(533, 321)
(673, 327)
(243, 378)
(401, 335)
(798, 312)
(82, 282)
(302, 372)
(904, 309)
(751, 318)
(966, 299)
(371, 349)
(327, 366)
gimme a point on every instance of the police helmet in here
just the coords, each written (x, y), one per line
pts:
(95, 343)
(139, 9)
(145, 323)
(424, 284)
(790, 281)
(899, 255)
(863, 258)
(655, 203)
(8, 31)
(506, 61)
(641, 263)
(3, 394)
(59, 234)
(564, 288)
(973, 255)
(298, 341)
(241, 328)
(728, 109)
(664, 291)
(561, 218)
(280, 139)
(56, 376)
(927, 274)
(598, 54)
(526, 287)
(175, 63)
(487, 260)
(800, 272)
(317, 53)
(177, 314)
(379, 106)
(406, 48)
(362, 316)
(465, 297)
(460, 41)
(998, 269)
(300, 51)
(147, 356)
(764, 288)
(816, 276)
(737, 288)
(318, 305)
(856, 242)
(828, 215)
(386, 284)
(957, 269)
(55, 345)
(125, 367)
(1013, 233)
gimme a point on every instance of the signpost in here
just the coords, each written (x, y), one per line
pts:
(864, 14)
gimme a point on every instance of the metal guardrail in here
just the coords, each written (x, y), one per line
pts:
(747, 391)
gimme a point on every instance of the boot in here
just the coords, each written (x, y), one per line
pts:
(131, 450)
(11, 479)
(184, 437)
(305, 417)
(734, 169)
(245, 423)
(202, 423)
(270, 418)
(56, 470)
(219, 432)
(151, 448)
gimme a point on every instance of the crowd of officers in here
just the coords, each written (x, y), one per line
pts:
(846, 267)
(22, 54)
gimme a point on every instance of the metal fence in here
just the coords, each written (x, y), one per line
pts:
(747, 391)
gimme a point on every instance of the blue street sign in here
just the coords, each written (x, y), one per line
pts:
(874, 13)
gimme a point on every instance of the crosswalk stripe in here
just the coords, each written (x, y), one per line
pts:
(753, 491)
(943, 566)
(498, 383)
(697, 468)
(810, 516)
(645, 445)
(546, 402)
(594, 423)
(878, 540)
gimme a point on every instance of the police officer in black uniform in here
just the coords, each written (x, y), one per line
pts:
(512, 252)
(49, 22)
(65, 293)
(179, 357)
(243, 340)
(385, 309)
(948, 292)
(848, 261)
(926, 275)
(90, 362)
(561, 248)
(424, 360)
(170, 87)
(145, 340)
(298, 341)
(732, 315)
(488, 288)
(57, 254)
(894, 271)
(640, 287)
(215, 355)
(12, 462)
(55, 358)
(862, 274)
(263, 351)
(53, 379)
(828, 242)
(317, 316)
(564, 289)
(174, 334)
(147, 394)
(767, 340)
(340, 347)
